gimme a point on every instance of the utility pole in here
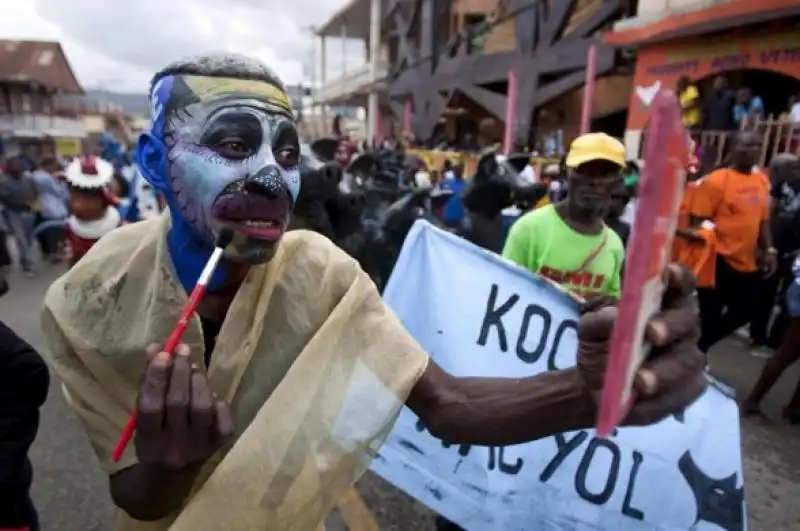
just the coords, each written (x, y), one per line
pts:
(373, 107)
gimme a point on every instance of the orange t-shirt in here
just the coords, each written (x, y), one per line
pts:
(700, 257)
(737, 203)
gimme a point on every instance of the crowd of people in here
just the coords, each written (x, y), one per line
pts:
(56, 204)
(31, 197)
(725, 109)
(739, 232)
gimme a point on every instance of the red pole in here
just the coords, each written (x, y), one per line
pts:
(588, 89)
(511, 111)
(407, 117)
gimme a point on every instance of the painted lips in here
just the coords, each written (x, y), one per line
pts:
(253, 214)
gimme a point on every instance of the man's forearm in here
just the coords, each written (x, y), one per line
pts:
(765, 237)
(500, 411)
(149, 493)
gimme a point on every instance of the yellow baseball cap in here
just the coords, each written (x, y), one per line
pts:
(595, 146)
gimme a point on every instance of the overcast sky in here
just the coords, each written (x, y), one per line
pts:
(118, 44)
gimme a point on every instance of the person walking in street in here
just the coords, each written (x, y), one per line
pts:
(53, 197)
(18, 195)
(787, 354)
(24, 381)
(568, 242)
(784, 173)
(736, 200)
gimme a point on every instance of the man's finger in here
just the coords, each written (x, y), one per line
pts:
(679, 285)
(152, 394)
(672, 326)
(596, 326)
(151, 350)
(651, 410)
(666, 370)
(203, 409)
(179, 393)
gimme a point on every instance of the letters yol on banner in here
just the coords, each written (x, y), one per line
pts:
(478, 315)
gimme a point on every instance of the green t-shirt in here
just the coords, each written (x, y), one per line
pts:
(542, 242)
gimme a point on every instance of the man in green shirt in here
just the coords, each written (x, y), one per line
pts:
(568, 242)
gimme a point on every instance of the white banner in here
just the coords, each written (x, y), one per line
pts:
(478, 315)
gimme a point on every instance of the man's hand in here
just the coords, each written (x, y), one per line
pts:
(181, 422)
(770, 263)
(672, 377)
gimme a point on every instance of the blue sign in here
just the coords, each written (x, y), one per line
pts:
(478, 315)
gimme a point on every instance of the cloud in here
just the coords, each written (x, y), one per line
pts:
(118, 45)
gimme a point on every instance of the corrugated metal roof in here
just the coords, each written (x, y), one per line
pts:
(37, 61)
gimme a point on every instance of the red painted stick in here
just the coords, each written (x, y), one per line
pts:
(176, 335)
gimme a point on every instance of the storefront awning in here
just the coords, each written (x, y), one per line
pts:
(719, 17)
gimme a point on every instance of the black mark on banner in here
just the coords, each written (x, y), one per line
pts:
(532, 311)
(493, 318)
(627, 510)
(502, 466)
(496, 459)
(569, 324)
(566, 447)
(718, 500)
(602, 497)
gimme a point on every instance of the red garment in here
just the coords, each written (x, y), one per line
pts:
(79, 246)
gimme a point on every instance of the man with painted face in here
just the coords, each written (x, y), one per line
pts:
(568, 242)
(294, 371)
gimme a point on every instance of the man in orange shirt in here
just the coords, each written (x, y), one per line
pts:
(736, 199)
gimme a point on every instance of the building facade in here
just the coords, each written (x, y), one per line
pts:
(752, 44)
(464, 50)
(38, 115)
(354, 84)
(441, 66)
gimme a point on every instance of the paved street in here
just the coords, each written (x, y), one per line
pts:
(72, 495)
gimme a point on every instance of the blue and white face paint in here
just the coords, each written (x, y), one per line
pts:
(232, 155)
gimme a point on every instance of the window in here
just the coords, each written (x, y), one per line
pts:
(46, 58)
(25, 103)
(477, 27)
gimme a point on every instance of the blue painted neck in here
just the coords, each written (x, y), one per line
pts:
(190, 254)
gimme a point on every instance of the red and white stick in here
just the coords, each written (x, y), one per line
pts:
(176, 335)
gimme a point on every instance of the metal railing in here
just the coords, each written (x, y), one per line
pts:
(778, 135)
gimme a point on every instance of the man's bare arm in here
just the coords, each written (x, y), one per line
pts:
(765, 236)
(500, 411)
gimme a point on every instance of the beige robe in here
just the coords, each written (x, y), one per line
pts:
(314, 366)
